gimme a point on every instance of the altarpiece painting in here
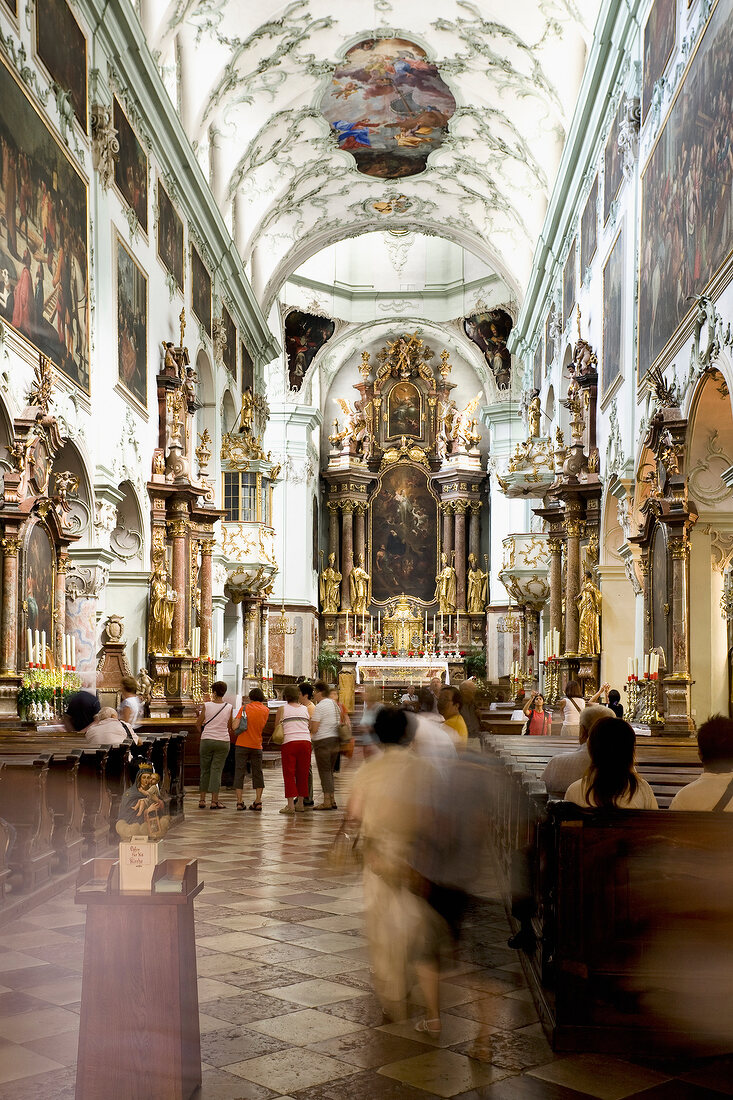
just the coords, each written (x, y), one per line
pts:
(659, 38)
(62, 47)
(39, 564)
(201, 290)
(132, 324)
(613, 313)
(404, 535)
(404, 411)
(687, 192)
(170, 236)
(131, 167)
(43, 236)
(388, 106)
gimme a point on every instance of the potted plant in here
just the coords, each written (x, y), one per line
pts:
(475, 662)
(328, 663)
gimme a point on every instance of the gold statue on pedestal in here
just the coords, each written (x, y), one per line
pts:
(329, 585)
(445, 587)
(534, 412)
(360, 587)
(477, 587)
(589, 625)
(163, 600)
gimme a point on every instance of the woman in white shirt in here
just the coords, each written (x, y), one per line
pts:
(324, 725)
(214, 723)
(295, 754)
(573, 703)
(131, 705)
(612, 781)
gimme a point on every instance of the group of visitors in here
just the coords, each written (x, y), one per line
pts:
(104, 725)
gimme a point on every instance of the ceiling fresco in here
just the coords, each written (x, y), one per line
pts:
(389, 107)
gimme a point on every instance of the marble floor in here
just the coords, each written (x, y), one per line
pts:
(284, 989)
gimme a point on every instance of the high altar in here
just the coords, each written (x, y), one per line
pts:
(403, 592)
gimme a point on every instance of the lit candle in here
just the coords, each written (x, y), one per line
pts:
(73, 651)
(63, 650)
(29, 643)
(379, 622)
(43, 648)
(37, 648)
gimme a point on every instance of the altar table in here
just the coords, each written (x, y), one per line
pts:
(401, 669)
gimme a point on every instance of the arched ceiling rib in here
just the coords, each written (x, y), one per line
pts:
(251, 77)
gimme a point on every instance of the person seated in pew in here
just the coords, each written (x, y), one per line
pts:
(107, 729)
(449, 705)
(566, 767)
(81, 710)
(614, 702)
(714, 789)
(612, 781)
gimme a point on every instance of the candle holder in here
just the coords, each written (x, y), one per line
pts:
(649, 714)
(196, 692)
(633, 691)
(552, 681)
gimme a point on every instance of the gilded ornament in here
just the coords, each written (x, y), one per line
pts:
(360, 588)
(477, 587)
(11, 546)
(445, 587)
(329, 587)
(589, 618)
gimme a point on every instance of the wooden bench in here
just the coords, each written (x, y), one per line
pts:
(23, 782)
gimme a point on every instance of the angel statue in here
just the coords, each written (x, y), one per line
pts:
(477, 587)
(589, 607)
(445, 587)
(463, 432)
(360, 588)
(447, 428)
(329, 585)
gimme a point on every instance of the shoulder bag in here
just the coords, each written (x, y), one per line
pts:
(344, 727)
(278, 734)
(724, 799)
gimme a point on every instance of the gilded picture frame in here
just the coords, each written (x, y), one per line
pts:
(131, 284)
(61, 46)
(612, 365)
(170, 237)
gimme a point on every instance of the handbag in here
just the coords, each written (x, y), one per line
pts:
(344, 727)
(278, 734)
(345, 852)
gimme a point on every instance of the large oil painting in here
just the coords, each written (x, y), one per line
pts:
(659, 38)
(132, 324)
(201, 290)
(62, 48)
(43, 236)
(404, 535)
(589, 229)
(568, 285)
(613, 314)
(687, 196)
(305, 335)
(131, 167)
(613, 171)
(229, 330)
(170, 236)
(388, 106)
(404, 404)
(490, 332)
(248, 368)
(38, 578)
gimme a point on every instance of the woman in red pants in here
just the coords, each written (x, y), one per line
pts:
(296, 750)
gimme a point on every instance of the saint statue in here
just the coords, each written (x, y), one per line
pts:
(445, 587)
(589, 607)
(162, 602)
(533, 417)
(360, 587)
(330, 581)
(477, 587)
(248, 411)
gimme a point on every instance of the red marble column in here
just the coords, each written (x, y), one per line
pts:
(572, 581)
(474, 531)
(447, 547)
(206, 611)
(347, 552)
(555, 545)
(333, 531)
(177, 532)
(460, 507)
(10, 546)
(359, 534)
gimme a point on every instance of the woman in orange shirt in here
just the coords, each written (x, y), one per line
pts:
(248, 746)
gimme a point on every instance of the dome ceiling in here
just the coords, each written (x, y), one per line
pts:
(310, 126)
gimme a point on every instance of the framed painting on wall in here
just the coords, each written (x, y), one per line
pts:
(613, 172)
(660, 33)
(201, 290)
(131, 167)
(248, 368)
(170, 236)
(686, 193)
(62, 47)
(229, 331)
(44, 275)
(589, 229)
(613, 314)
(403, 535)
(568, 284)
(404, 411)
(39, 571)
(305, 335)
(132, 325)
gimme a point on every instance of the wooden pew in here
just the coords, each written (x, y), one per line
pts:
(62, 790)
(23, 782)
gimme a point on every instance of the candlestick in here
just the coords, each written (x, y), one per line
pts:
(29, 643)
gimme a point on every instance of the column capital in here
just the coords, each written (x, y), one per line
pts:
(347, 507)
(574, 528)
(207, 546)
(679, 547)
(11, 546)
(474, 506)
(447, 507)
(177, 528)
(460, 507)
(554, 545)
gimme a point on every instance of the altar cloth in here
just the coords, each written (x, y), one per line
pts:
(389, 668)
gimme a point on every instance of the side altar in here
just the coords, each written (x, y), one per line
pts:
(401, 578)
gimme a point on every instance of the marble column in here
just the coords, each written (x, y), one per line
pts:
(60, 609)
(206, 617)
(179, 569)
(347, 552)
(333, 531)
(555, 546)
(474, 530)
(680, 593)
(460, 507)
(359, 534)
(572, 580)
(447, 547)
(10, 603)
(532, 617)
(251, 617)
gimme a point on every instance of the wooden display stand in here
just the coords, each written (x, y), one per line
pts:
(139, 1027)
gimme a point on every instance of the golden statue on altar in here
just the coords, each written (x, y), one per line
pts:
(163, 600)
(329, 585)
(445, 587)
(589, 607)
(477, 585)
(360, 588)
